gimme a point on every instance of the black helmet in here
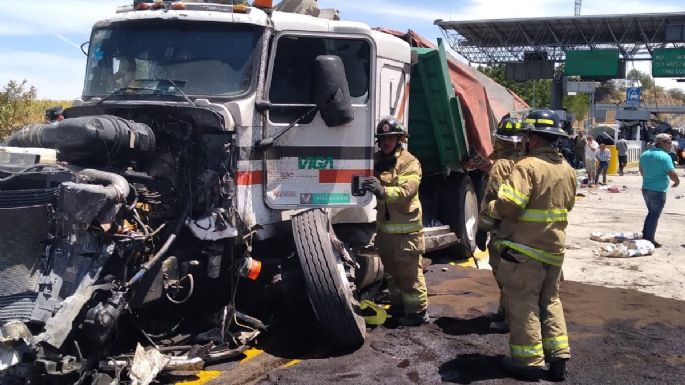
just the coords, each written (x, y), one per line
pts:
(545, 122)
(509, 129)
(390, 126)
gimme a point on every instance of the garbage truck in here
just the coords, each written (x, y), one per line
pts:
(204, 183)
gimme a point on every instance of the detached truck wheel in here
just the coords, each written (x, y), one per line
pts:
(328, 285)
(459, 203)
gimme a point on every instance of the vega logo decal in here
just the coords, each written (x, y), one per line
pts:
(315, 162)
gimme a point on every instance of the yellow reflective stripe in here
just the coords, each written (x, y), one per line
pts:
(536, 254)
(511, 194)
(413, 177)
(550, 215)
(541, 121)
(392, 193)
(555, 343)
(526, 351)
(400, 228)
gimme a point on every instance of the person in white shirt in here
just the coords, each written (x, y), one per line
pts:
(591, 148)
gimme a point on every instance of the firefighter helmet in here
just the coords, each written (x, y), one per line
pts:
(544, 122)
(390, 126)
(509, 129)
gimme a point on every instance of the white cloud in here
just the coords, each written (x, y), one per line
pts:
(65, 16)
(55, 76)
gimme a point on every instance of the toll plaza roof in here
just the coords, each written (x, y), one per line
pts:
(513, 40)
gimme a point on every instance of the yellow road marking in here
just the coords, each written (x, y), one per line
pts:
(250, 354)
(202, 377)
(291, 363)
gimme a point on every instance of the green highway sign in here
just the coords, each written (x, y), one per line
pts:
(668, 62)
(599, 63)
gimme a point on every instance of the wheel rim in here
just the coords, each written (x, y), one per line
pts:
(471, 215)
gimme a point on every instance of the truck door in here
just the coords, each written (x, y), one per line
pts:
(312, 165)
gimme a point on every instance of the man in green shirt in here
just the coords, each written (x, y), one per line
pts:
(656, 167)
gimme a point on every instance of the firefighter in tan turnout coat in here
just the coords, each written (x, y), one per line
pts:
(533, 206)
(508, 150)
(399, 237)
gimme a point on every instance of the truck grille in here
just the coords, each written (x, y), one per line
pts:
(22, 232)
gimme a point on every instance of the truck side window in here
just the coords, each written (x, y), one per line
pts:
(291, 78)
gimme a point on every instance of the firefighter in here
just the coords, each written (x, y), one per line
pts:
(399, 237)
(533, 206)
(507, 152)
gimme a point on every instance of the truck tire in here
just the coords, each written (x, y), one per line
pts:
(329, 288)
(460, 202)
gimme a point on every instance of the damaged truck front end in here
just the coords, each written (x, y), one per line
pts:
(117, 225)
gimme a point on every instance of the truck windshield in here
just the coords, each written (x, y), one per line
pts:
(204, 59)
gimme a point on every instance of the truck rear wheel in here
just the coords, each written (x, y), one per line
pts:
(328, 285)
(460, 202)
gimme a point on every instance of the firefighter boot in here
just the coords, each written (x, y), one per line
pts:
(557, 369)
(413, 319)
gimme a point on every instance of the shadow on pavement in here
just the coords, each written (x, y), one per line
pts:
(463, 326)
(470, 368)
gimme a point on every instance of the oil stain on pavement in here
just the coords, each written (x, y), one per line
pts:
(617, 336)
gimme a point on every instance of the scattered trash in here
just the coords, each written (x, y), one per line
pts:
(452, 264)
(444, 269)
(614, 189)
(679, 196)
(615, 237)
(627, 249)
(580, 194)
(146, 365)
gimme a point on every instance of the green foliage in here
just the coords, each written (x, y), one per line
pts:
(645, 79)
(535, 93)
(19, 107)
(579, 105)
(677, 93)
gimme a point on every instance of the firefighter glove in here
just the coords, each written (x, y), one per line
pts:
(373, 185)
(481, 239)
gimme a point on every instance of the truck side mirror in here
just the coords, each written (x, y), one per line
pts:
(331, 91)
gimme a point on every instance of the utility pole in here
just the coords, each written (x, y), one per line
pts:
(577, 11)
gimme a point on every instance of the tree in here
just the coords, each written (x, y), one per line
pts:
(16, 100)
(677, 94)
(645, 79)
(579, 105)
(534, 92)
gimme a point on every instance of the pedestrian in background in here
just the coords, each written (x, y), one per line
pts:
(603, 157)
(54, 114)
(533, 206)
(622, 150)
(656, 167)
(591, 147)
(580, 144)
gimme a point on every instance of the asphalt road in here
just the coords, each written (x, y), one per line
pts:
(617, 336)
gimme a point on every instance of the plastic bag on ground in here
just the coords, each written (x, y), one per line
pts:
(627, 249)
(615, 236)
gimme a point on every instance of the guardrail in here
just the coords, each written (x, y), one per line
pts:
(635, 148)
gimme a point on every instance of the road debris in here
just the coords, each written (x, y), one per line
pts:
(146, 365)
(615, 237)
(627, 249)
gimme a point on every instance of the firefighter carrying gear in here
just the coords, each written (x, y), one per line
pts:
(532, 206)
(399, 238)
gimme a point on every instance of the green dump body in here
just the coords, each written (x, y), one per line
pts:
(436, 128)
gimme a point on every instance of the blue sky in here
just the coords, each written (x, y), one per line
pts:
(39, 39)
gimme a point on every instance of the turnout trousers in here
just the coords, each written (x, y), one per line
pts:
(533, 311)
(495, 260)
(402, 257)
